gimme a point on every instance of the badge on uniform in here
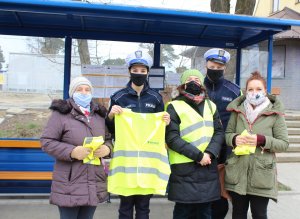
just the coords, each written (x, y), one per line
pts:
(138, 54)
(221, 53)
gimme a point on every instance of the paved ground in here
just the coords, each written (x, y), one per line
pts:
(288, 205)
(40, 209)
(26, 100)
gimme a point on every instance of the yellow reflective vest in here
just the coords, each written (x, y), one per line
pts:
(194, 128)
(140, 163)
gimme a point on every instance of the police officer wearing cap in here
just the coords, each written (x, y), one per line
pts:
(139, 97)
(221, 92)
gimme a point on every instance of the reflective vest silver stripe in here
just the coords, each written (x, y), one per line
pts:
(200, 141)
(146, 170)
(195, 126)
(145, 154)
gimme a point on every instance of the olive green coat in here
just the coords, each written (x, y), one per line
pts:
(256, 174)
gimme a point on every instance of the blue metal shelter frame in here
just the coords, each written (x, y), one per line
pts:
(68, 19)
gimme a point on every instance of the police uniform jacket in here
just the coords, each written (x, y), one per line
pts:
(222, 93)
(191, 182)
(149, 101)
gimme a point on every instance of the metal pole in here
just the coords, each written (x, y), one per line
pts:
(156, 58)
(270, 61)
(67, 66)
(238, 66)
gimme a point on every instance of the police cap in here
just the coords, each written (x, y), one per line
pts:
(139, 57)
(217, 55)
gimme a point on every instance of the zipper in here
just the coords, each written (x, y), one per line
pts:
(139, 103)
(213, 92)
(70, 173)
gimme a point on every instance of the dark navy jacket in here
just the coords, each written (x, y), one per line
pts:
(149, 101)
(222, 93)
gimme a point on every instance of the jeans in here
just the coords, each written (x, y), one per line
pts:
(80, 212)
(192, 211)
(219, 208)
(240, 205)
(141, 204)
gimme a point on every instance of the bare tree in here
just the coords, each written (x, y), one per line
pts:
(1, 58)
(222, 6)
(242, 6)
(84, 53)
(245, 7)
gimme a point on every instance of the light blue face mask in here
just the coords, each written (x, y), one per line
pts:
(83, 100)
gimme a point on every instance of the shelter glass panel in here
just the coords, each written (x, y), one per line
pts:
(103, 63)
(255, 58)
(31, 77)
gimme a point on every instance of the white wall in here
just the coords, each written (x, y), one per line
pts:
(36, 73)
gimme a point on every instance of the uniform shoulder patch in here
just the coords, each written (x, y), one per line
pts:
(233, 87)
(155, 94)
(118, 93)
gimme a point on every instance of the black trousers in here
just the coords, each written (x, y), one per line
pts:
(80, 212)
(192, 211)
(141, 204)
(240, 205)
(219, 208)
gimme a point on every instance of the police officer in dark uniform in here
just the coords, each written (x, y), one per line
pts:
(140, 98)
(221, 92)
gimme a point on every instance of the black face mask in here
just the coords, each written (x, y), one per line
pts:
(214, 75)
(193, 87)
(138, 79)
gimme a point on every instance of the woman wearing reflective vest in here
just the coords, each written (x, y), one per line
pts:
(194, 138)
(256, 130)
(139, 98)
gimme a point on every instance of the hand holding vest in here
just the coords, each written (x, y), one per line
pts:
(244, 149)
(93, 143)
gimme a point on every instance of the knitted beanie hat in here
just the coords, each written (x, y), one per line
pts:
(79, 81)
(191, 72)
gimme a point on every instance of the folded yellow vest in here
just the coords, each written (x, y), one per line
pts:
(140, 163)
(93, 143)
(244, 149)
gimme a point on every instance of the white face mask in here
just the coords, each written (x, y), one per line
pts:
(256, 98)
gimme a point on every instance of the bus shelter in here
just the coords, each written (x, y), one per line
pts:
(82, 20)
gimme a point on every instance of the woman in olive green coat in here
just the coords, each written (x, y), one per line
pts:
(250, 174)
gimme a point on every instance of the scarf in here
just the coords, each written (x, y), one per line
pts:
(195, 98)
(253, 113)
(85, 111)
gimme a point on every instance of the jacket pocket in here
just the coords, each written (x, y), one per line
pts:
(100, 174)
(232, 170)
(184, 169)
(263, 174)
